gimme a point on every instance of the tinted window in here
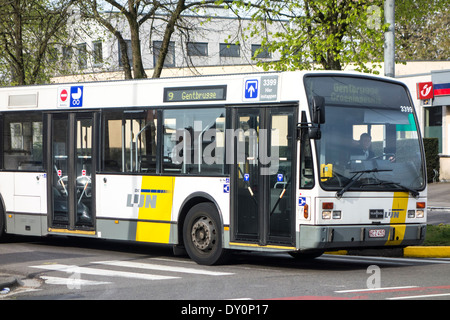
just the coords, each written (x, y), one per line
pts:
(22, 141)
(194, 141)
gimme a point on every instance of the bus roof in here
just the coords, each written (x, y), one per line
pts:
(196, 91)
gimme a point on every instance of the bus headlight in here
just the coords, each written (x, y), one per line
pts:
(337, 214)
(326, 214)
(420, 213)
(411, 213)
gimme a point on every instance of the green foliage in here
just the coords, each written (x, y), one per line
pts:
(431, 146)
(423, 29)
(332, 34)
(437, 235)
(30, 32)
(320, 34)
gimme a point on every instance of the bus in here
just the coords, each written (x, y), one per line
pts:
(269, 162)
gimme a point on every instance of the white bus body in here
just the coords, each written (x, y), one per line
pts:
(214, 163)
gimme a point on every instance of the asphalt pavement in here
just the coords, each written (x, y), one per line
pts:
(439, 196)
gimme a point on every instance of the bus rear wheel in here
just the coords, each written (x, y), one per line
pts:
(202, 235)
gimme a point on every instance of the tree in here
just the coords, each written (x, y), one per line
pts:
(422, 30)
(330, 34)
(29, 32)
(319, 34)
(136, 13)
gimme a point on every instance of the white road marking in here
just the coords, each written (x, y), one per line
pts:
(74, 282)
(420, 297)
(375, 289)
(72, 269)
(150, 266)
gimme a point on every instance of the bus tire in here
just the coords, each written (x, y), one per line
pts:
(202, 235)
(2, 224)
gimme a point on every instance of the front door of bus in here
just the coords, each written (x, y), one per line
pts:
(71, 171)
(262, 175)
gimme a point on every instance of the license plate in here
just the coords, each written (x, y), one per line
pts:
(377, 233)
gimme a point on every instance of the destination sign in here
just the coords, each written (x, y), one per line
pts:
(187, 94)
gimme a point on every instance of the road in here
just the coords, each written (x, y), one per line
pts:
(438, 216)
(71, 268)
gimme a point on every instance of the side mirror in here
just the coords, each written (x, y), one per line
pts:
(307, 130)
(318, 110)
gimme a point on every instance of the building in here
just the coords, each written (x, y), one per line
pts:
(205, 43)
(431, 94)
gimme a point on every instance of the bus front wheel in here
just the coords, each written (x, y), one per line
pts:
(202, 235)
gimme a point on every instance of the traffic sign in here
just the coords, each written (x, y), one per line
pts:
(76, 96)
(263, 88)
(63, 95)
(251, 89)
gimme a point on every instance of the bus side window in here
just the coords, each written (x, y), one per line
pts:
(129, 143)
(306, 164)
(194, 141)
(22, 141)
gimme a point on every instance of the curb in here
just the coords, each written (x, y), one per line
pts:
(444, 209)
(427, 252)
(408, 252)
(7, 282)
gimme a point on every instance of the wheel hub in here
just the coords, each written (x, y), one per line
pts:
(203, 234)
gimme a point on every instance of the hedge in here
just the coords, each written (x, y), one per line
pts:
(431, 146)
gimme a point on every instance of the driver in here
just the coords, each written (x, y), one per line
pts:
(364, 148)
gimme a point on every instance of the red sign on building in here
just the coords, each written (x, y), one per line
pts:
(425, 90)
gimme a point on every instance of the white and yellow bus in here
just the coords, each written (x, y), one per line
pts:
(266, 162)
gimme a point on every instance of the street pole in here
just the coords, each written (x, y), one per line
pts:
(389, 39)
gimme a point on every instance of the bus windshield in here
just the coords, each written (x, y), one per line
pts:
(370, 140)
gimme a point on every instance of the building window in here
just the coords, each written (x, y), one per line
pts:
(67, 53)
(264, 54)
(169, 61)
(98, 53)
(433, 124)
(199, 49)
(230, 50)
(82, 56)
(129, 53)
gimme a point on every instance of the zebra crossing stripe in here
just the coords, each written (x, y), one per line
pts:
(149, 266)
(73, 269)
(74, 282)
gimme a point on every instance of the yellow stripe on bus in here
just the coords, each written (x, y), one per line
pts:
(153, 232)
(398, 219)
(157, 205)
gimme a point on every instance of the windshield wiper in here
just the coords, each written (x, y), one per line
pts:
(413, 192)
(356, 176)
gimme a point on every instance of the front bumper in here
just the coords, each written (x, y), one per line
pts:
(331, 237)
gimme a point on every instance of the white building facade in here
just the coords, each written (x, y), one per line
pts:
(202, 44)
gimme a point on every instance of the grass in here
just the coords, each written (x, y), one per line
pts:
(438, 235)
